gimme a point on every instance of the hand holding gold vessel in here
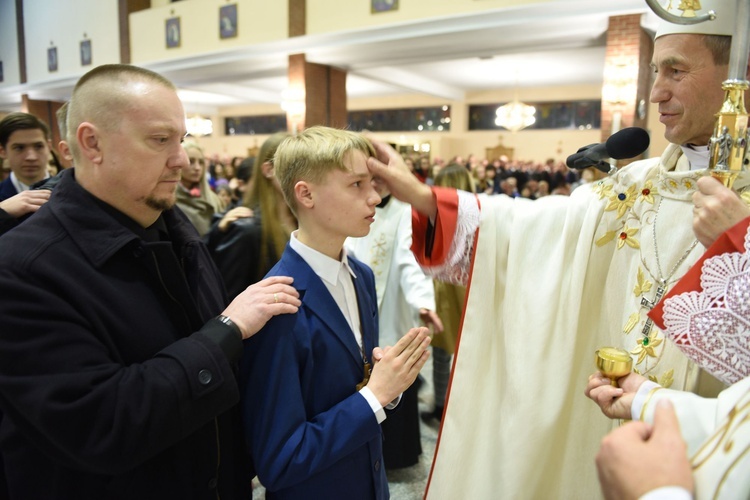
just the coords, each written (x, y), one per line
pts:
(613, 363)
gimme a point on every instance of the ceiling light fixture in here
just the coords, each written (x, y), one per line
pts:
(197, 126)
(293, 101)
(515, 116)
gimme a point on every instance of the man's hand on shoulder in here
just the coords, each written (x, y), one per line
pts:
(233, 215)
(26, 202)
(252, 308)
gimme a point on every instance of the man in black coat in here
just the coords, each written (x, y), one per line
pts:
(117, 352)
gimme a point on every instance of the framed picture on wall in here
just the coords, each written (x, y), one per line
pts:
(85, 52)
(383, 5)
(172, 30)
(52, 59)
(228, 21)
(2, 77)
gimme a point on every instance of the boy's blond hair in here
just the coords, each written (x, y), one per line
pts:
(312, 154)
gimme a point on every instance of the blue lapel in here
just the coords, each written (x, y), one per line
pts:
(318, 300)
(7, 189)
(367, 307)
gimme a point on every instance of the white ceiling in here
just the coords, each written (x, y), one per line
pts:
(561, 42)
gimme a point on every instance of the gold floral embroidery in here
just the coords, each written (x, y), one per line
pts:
(378, 252)
(646, 347)
(642, 285)
(632, 321)
(648, 191)
(603, 189)
(608, 236)
(667, 378)
(622, 201)
(626, 238)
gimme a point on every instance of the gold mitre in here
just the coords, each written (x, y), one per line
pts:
(723, 24)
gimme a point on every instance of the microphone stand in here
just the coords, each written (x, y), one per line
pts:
(728, 147)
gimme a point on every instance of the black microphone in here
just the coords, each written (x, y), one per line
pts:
(626, 143)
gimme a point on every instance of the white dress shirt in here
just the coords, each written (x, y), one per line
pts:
(698, 156)
(20, 186)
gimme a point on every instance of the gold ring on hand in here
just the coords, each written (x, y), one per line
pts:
(275, 298)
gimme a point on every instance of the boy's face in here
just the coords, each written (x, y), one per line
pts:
(346, 199)
(27, 154)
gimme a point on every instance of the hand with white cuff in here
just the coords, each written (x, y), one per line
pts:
(638, 458)
(615, 402)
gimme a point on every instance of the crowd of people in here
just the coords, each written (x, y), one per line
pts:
(513, 177)
(173, 325)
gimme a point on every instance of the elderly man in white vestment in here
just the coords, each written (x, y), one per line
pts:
(561, 277)
(406, 299)
(707, 316)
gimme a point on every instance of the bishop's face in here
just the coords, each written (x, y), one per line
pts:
(687, 88)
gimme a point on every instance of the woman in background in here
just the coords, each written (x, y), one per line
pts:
(249, 239)
(194, 195)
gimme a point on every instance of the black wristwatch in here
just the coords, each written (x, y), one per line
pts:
(231, 324)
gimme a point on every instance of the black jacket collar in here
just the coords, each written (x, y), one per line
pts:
(96, 229)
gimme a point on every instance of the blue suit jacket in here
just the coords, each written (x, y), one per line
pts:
(310, 433)
(7, 189)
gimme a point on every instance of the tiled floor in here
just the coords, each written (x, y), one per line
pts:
(408, 483)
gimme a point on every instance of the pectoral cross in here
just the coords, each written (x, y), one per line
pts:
(366, 377)
(649, 304)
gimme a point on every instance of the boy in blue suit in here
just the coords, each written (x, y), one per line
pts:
(311, 408)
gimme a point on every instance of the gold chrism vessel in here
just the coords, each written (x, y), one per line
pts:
(613, 363)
